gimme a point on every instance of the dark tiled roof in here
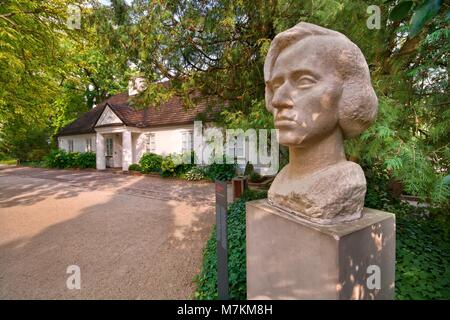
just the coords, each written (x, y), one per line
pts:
(171, 112)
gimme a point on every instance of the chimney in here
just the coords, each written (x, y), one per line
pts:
(136, 85)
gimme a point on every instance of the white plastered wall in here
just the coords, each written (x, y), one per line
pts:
(79, 142)
(167, 140)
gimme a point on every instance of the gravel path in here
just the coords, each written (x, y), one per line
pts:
(132, 237)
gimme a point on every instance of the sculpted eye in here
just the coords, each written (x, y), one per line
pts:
(274, 84)
(306, 81)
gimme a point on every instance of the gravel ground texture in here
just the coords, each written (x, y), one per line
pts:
(131, 237)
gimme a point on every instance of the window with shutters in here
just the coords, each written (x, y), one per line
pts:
(88, 145)
(150, 142)
(187, 141)
(70, 145)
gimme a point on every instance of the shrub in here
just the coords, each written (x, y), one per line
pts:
(62, 159)
(181, 168)
(72, 159)
(173, 165)
(207, 279)
(220, 171)
(249, 169)
(57, 159)
(151, 162)
(255, 177)
(86, 160)
(135, 167)
(168, 167)
(195, 174)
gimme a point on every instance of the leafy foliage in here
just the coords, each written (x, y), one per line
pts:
(195, 174)
(85, 160)
(219, 49)
(151, 162)
(207, 279)
(168, 167)
(24, 142)
(50, 73)
(255, 177)
(220, 171)
(62, 159)
(423, 257)
(173, 165)
(422, 246)
(249, 169)
(423, 250)
(135, 167)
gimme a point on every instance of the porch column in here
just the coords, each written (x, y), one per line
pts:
(127, 150)
(100, 152)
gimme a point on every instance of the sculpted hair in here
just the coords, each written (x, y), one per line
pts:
(358, 105)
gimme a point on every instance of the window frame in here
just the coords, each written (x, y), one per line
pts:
(187, 141)
(150, 142)
(111, 147)
(70, 145)
(88, 144)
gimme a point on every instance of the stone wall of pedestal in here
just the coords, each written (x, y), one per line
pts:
(291, 258)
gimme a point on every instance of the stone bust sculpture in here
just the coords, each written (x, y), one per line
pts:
(319, 91)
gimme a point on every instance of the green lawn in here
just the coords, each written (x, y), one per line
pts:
(9, 162)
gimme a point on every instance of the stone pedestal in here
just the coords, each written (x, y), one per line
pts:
(291, 258)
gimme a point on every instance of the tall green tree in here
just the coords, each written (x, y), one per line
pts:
(218, 47)
(51, 72)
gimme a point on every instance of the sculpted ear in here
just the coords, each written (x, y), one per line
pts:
(358, 107)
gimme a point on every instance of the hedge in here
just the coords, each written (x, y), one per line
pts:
(62, 159)
(172, 165)
(207, 279)
(422, 264)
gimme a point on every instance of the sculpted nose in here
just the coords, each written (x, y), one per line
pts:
(282, 99)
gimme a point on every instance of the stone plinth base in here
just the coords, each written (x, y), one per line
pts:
(291, 258)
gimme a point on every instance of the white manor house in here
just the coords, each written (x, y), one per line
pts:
(119, 134)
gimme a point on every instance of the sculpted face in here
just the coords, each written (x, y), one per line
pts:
(306, 89)
(319, 91)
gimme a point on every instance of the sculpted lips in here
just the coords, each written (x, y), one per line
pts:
(284, 121)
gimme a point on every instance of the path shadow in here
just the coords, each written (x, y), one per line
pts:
(127, 245)
(70, 183)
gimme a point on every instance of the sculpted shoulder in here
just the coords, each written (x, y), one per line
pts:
(334, 192)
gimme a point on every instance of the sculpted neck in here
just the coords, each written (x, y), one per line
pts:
(322, 154)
